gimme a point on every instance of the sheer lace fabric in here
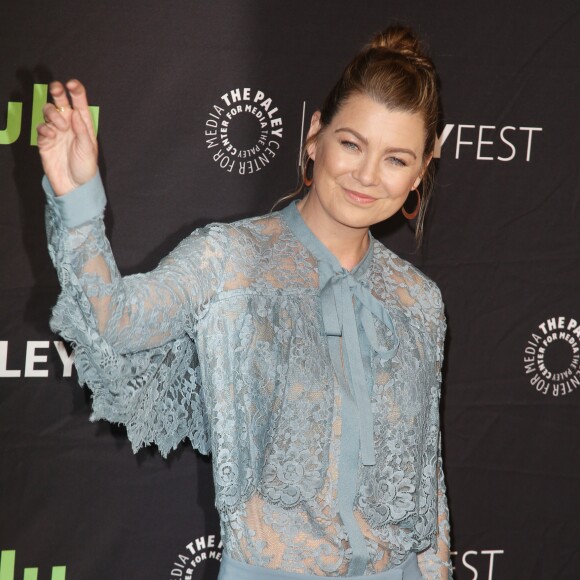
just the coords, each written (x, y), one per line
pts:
(224, 343)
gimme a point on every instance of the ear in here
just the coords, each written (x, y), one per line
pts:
(423, 169)
(312, 133)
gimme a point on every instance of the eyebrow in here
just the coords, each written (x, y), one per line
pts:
(365, 141)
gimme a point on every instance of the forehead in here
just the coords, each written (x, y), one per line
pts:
(377, 123)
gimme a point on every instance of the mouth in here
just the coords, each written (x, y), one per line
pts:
(359, 198)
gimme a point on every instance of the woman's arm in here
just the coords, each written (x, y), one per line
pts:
(132, 336)
(435, 562)
(136, 312)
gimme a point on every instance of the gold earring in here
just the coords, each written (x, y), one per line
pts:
(415, 212)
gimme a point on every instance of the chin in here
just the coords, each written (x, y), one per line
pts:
(351, 220)
(356, 217)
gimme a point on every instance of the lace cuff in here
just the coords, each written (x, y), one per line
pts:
(435, 561)
(80, 205)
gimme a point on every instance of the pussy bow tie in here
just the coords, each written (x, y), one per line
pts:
(346, 305)
(346, 301)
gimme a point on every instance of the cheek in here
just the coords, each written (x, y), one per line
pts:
(398, 184)
(327, 165)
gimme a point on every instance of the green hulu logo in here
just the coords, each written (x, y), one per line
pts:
(14, 118)
(8, 561)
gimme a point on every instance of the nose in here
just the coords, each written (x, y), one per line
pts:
(367, 171)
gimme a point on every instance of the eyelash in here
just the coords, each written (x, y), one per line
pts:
(349, 144)
(394, 160)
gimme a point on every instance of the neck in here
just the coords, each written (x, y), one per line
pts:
(348, 245)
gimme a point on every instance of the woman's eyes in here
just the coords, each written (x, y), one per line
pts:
(397, 161)
(391, 159)
(349, 145)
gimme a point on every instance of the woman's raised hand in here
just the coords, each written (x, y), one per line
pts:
(66, 140)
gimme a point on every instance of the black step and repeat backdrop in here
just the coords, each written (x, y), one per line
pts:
(201, 107)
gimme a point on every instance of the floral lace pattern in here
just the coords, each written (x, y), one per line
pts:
(223, 343)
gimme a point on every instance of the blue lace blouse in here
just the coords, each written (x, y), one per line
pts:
(315, 389)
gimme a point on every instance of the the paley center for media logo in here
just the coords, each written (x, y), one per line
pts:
(243, 131)
(198, 551)
(552, 356)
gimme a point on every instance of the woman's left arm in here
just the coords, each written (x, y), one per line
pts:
(435, 561)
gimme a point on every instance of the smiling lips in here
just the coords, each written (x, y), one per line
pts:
(359, 197)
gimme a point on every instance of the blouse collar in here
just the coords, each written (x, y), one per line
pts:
(298, 226)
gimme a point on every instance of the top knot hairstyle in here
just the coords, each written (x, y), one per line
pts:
(394, 70)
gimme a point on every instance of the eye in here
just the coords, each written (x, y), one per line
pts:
(349, 145)
(397, 161)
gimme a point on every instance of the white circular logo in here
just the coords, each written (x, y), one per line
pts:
(199, 550)
(244, 132)
(552, 357)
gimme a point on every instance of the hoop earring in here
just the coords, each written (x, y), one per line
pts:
(305, 177)
(415, 212)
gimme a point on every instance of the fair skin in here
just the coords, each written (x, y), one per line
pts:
(66, 141)
(366, 161)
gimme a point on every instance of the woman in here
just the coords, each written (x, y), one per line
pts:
(294, 347)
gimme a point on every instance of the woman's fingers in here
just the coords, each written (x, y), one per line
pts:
(57, 115)
(54, 117)
(61, 116)
(83, 132)
(62, 110)
(79, 100)
(66, 140)
(58, 94)
(78, 94)
(45, 133)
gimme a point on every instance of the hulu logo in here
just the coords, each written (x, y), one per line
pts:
(14, 120)
(7, 561)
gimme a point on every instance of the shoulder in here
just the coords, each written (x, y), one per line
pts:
(259, 222)
(253, 234)
(228, 235)
(236, 246)
(410, 285)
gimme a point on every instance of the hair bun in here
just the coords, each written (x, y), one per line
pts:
(402, 40)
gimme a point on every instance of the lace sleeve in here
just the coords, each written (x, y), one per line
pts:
(132, 336)
(435, 561)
